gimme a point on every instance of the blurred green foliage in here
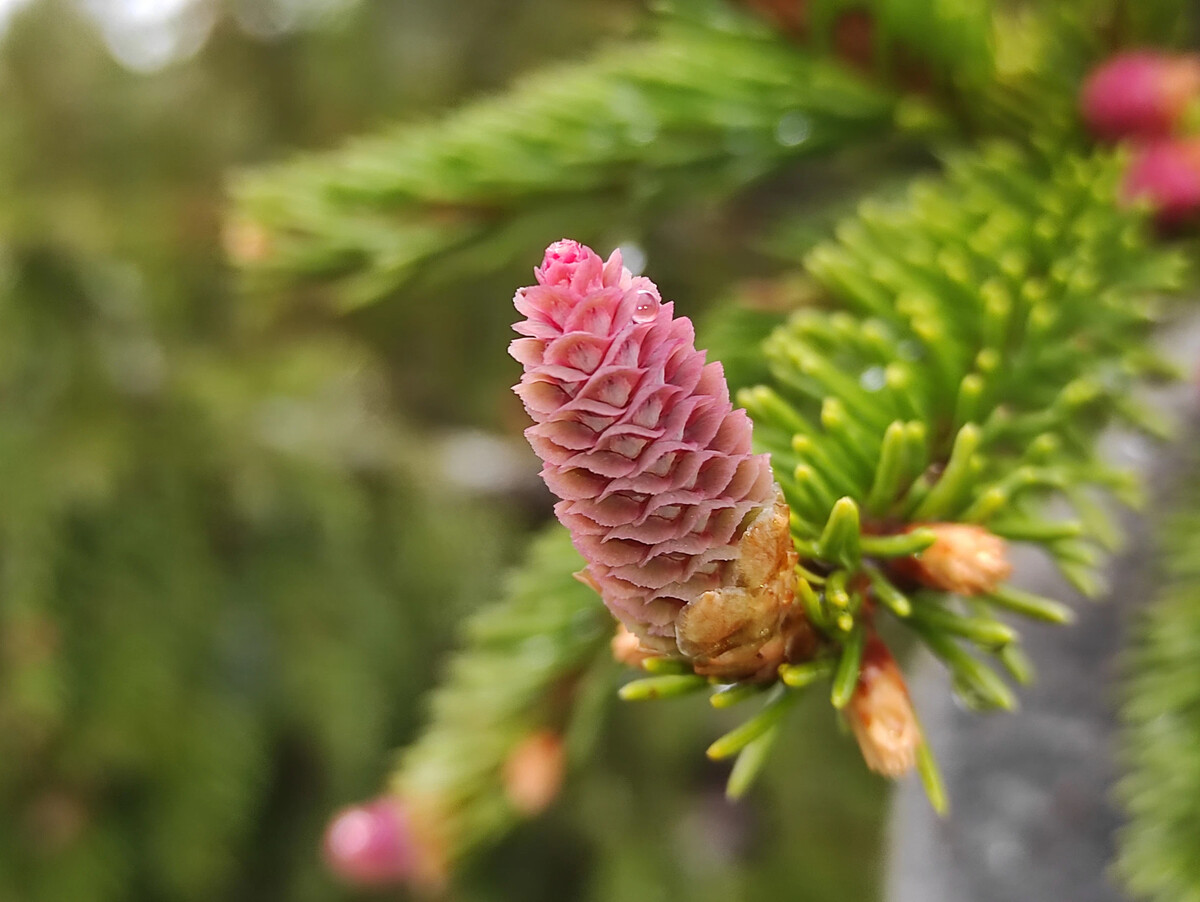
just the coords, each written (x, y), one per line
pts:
(228, 558)
(230, 553)
(1160, 712)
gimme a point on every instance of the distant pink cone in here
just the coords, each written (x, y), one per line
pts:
(660, 489)
(372, 843)
(1141, 94)
(1167, 174)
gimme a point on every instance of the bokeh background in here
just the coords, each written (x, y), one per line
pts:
(235, 544)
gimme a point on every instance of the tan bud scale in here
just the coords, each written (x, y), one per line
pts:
(881, 714)
(747, 628)
(533, 772)
(965, 559)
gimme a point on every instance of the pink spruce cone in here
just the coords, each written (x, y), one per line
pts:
(685, 533)
(1140, 94)
(1167, 174)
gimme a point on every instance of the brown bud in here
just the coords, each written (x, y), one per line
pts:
(881, 715)
(533, 772)
(745, 630)
(965, 559)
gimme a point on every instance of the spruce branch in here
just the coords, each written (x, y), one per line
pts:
(991, 325)
(954, 37)
(523, 671)
(1009, 69)
(996, 321)
(701, 105)
(999, 322)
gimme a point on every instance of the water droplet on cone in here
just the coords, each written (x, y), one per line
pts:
(647, 307)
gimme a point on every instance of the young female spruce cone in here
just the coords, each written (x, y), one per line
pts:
(685, 532)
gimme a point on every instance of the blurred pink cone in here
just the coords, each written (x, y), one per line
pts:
(1140, 94)
(372, 843)
(1167, 174)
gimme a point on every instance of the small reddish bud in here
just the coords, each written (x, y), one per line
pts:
(533, 772)
(1167, 175)
(965, 559)
(1141, 94)
(854, 38)
(789, 16)
(881, 714)
(372, 843)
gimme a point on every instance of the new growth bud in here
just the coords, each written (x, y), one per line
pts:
(964, 559)
(685, 533)
(627, 648)
(533, 772)
(1141, 94)
(881, 714)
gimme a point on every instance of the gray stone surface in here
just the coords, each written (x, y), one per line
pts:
(1032, 816)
